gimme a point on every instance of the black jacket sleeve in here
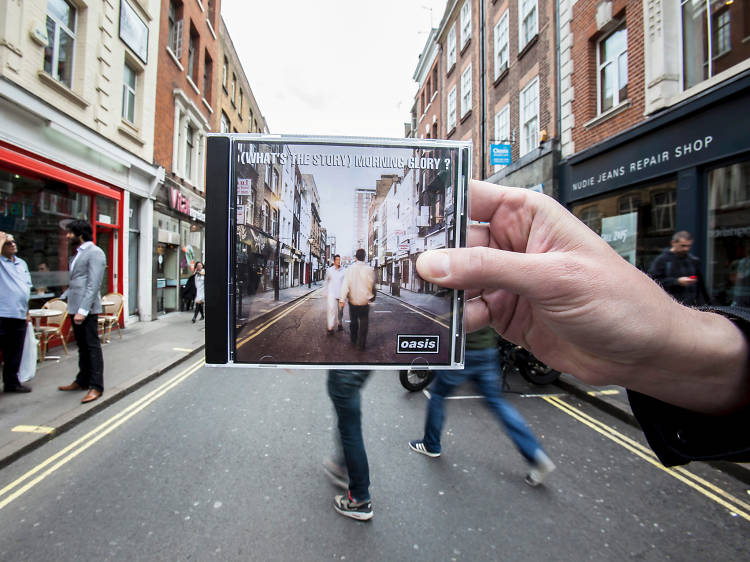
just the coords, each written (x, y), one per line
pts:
(679, 436)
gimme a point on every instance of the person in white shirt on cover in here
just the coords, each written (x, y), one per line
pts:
(359, 289)
(334, 280)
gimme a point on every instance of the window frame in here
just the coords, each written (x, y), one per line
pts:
(465, 22)
(524, 119)
(450, 60)
(175, 25)
(129, 93)
(523, 41)
(502, 27)
(55, 55)
(208, 70)
(464, 92)
(451, 100)
(615, 61)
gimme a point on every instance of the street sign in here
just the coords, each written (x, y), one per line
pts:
(500, 154)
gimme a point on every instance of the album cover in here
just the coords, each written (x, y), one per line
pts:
(312, 248)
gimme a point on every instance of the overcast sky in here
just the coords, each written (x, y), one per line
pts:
(332, 67)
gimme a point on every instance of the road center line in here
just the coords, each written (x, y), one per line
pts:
(263, 327)
(711, 491)
(402, 303)
(83, 443)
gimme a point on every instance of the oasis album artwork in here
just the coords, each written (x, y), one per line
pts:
(324, 238)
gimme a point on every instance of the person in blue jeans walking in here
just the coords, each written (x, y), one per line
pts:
(349, 468)
(482, 365)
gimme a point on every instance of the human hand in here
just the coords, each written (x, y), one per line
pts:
(544, 280)
(78, 318)
(687, 281)
(3, 238)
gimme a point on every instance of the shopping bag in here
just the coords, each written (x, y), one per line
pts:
(27, 370)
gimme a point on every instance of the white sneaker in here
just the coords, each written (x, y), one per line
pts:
(541, 468)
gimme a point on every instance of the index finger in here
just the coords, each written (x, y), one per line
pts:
(485, 198)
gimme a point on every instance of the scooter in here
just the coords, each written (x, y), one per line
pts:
(513, 358)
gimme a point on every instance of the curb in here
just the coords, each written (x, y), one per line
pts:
(101, 405)
(623, 413)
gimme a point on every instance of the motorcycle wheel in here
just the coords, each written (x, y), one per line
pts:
(415, 380)
(537, 372)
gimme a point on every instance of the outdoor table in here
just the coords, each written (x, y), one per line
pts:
(37, 314)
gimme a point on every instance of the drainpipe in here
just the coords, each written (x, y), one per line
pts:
(483, 99)
(558, 101)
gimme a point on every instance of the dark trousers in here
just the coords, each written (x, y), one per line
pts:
(12, 335)
(198, 308)
(90, 359)
(344, 390)
(359, 315)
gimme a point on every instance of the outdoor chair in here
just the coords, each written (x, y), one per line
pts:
(53, 326)
(111, 314)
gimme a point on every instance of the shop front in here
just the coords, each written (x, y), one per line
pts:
(179, 240)
(687, 168)
(37, 200)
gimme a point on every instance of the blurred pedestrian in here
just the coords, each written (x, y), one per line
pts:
(187, 295)
(84, 304)
(15, 289)
(482, 366)
(200, 290)
(679, 272)
(349, 468)
(334, 281)
(359, 289)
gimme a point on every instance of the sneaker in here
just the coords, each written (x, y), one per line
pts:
(540, 469)
(420, 448)
(336, 474)
(347, 507)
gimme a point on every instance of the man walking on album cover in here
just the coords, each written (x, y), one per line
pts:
(359, 289)
(334, 280)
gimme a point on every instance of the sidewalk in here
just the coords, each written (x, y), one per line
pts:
(146, 351)
(424, 301)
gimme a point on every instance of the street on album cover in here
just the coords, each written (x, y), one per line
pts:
(324, 234)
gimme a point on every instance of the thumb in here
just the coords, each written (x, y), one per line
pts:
(484, 268)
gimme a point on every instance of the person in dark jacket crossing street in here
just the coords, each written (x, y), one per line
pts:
(679, 272)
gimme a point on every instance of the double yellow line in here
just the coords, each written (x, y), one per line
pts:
(726, 500)
(23, 484)
(263, 327)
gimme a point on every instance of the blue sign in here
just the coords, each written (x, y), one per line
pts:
(500, 154)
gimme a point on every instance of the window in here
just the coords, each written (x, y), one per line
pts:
(61, 36)
(663, 210)
(174, 40)
(451, 60)
(721, 38)
(232, 91)
(612, 64)
(192, 65)
(434, 79)
(275, 181)
(224, 74)
(501, 45)
(502, 124)
(208, 70)
(591, 217)
(465, 22)
(211, 11)
(239, 107)
(275, 222)
(529, 102)
(250, 207)
(711, 19)
(451, 117)
(466, 91)
(189, 146)
(128, 93)
(527, 22)
(266, 216)
(224, 123)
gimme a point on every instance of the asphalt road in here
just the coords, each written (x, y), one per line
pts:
(298, 330)
(225, 464)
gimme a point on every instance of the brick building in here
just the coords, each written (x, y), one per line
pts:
(186, 99)
(654, 129)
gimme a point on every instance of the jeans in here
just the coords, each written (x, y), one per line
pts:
(90, 359)
(344, 391)
(483, 367)
(359, 316)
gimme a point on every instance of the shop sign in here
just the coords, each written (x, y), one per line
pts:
(437, 241)
(244, 186)
(500, 155)
(178, 201)
(404, 246)
(197, 215)
(702, 137)
(240, 214)
(620, 233)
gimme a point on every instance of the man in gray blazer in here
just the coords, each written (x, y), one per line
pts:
(84, 306)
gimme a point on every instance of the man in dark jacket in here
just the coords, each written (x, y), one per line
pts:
(679, 272)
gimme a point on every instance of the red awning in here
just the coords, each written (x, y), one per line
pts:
(36, 167)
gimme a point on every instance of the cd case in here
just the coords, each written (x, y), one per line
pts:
(312, 245)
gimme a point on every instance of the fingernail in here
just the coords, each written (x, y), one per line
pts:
(434, 264)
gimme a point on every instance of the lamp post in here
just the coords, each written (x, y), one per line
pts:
(309, 277)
